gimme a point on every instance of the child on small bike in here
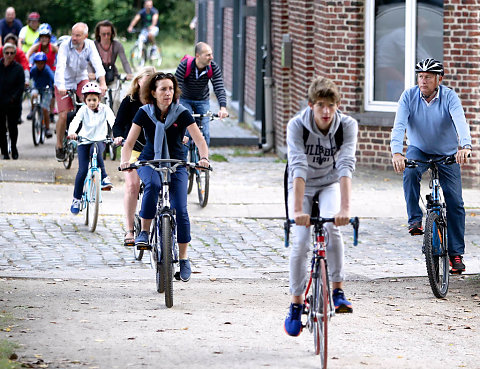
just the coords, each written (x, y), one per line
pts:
(96, 119)
(321, 158)
(42, 77)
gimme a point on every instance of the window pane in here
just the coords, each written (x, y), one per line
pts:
(429, 29)
(389, 50)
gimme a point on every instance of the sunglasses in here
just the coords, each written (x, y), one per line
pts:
(162, 75)
(9, 52)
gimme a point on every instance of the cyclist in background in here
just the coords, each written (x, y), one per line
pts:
(317, 161)
(9, 24)
(45, 45)
(123, 122)
(164, 122)
(109, 49)
(149, 18)
(29, 33)
(434, 120)
(42, 77)
(96, 118)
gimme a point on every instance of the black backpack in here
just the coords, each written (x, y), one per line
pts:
(338, 136)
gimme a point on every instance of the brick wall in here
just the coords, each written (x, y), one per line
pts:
(228, 48)
(250, 59)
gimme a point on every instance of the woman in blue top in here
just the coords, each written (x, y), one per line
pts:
(164, 123)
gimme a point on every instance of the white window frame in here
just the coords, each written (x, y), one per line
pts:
(410, 47)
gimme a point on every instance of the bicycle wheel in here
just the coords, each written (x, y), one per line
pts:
(203, 179)
(436, 254)
(321, 313)
(112, 151)
(137, 59)
(191, 171)
(67, 163)
(137, 227)
(37, 119)
(94, 201)
(155, 256)
(167, 262)
(43, 130)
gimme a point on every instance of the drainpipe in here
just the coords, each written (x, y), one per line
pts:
(268, 80)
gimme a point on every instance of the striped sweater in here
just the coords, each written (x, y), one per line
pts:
(197, 89)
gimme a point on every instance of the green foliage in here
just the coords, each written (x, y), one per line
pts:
(174, 15)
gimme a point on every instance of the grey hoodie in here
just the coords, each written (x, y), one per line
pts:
(318, 161)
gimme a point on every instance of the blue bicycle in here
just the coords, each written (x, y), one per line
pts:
(435, 246)
(91, 196)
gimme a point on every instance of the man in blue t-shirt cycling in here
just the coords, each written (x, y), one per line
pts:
(434, 119)
(149, 21)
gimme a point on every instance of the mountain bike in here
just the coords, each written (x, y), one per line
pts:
(202, 177)
(318, 305)
(38, 122)
(91, 196)
(162, 240)
(70, 146)
(435, 246)
(143, 52)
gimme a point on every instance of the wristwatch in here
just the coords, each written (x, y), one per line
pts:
(467, 146)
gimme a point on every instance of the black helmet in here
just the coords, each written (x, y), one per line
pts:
(429, 65)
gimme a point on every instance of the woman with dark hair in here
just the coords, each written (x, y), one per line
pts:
(109, 49)
(164, 122)
(123, 122)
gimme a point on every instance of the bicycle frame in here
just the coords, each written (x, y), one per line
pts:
(92, 168)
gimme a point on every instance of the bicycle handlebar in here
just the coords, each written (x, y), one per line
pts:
(156, 164)
(447, 159)
(84, 139)
(355, 222)
(208, 114)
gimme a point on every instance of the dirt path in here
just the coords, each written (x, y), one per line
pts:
(228, 323)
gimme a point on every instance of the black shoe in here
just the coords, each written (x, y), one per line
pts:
(6, 157)
(30, 115)
(415, 229)
(60, 154)
(14, 153)
(456, 262)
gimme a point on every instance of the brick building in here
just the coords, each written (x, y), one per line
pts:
(368, 47)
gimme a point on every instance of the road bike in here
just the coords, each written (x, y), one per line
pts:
(70, 146)
(202, 177)
(435, 246)
(143, 52)
(91, 196)
(162, 239)
(318, 305)
(38, 120)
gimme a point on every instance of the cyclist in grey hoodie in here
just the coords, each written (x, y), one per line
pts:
(321, 158)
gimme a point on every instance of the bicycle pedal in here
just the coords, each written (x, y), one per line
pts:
(177, 276)
(143, 247)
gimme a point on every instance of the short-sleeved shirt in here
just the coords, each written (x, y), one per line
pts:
(5, 29)
(147, 17)
(42, 78)
(174, 133)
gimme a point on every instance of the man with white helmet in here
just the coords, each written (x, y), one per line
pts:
(433, 117)
(73, 57)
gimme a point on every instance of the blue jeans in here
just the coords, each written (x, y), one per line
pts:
(178, 198)
(84, 152)
(451, 182)
(199, 107)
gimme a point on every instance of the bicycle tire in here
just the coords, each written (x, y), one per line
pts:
(137, 227)
(436, 254)
(191, 171)
(112, 151)
(94, 200)
(321, 313)
(203, 186)
(37, 118)
(167, 262)
(44, 131)
(67, 163)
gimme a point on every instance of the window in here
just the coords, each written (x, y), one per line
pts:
(398, 34)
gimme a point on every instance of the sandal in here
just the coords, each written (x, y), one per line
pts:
(129, 241)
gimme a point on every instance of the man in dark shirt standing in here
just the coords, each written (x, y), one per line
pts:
(194, 85)
(9, 24)
(12, 80)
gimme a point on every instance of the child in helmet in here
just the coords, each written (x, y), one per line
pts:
(96, 119)
(43, 79)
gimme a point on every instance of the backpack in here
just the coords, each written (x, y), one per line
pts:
(190, 60)
(338, 137)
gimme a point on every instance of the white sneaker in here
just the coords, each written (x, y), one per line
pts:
(107, 184)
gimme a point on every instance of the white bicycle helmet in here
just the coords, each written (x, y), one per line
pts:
(91, 88)
(429, 65)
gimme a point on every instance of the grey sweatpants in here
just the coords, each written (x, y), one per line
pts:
(300, 253)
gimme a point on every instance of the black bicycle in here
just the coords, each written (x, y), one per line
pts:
(38, 120)
(162, 240)
(318, 304)
(435, 237)
(70, 146)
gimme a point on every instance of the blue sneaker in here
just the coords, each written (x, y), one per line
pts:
(185, 270)
(142, 239)
(75, 208)
(293, 321)
(342, 305)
